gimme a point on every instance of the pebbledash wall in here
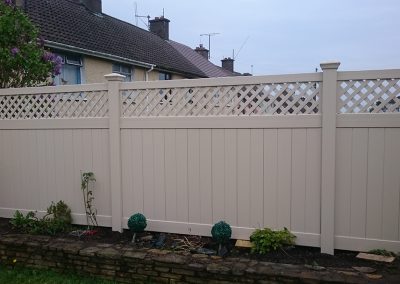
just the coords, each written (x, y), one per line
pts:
(317, 153)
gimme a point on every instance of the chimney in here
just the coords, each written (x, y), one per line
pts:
(227, 64)
(202, 51)
(92, 5)
(160, 27)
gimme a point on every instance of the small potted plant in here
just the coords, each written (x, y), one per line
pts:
(221, 233)
(137, 223)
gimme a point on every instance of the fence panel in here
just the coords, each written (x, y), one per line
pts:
(367, 163)
(188, 153)
(367, 191)
(197, 177)
(41, 166)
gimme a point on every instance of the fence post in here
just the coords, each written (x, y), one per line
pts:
(114, 81)
(329, 86)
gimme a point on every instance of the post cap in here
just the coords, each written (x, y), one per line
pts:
(334, 64)
(114, 77)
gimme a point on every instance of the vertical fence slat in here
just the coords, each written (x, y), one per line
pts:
(218, 175)
(194, 176)
(313, 182)
(205, 176)
(284, 177)
(50, 167)
(376, 148)
(127, 167)
(256, 178)
(181, 183)
(136, 149)
(171, 174)
(299, 159)
(358, 182)
(148, 174)
(230, 176)
(271, 178)
(243, 179)
(343, 181)
(159, 174)
(391, 187)
(41, 148)
(59, 166)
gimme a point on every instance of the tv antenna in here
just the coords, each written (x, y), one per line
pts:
(137, 17)
(209, 42)
(240, 49)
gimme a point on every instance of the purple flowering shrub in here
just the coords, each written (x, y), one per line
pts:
(23, 60)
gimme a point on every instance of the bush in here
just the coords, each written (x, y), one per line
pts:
(57, 219)
(60, 211)
(267, 240)
(24, 223)
(23, 60)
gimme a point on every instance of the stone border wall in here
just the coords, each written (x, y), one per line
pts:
(123, 263)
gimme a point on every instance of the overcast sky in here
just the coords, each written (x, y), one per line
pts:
(283, 36)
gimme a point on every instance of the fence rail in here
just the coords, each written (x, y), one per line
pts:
(316, 153)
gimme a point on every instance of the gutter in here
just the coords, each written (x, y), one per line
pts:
(107, 56)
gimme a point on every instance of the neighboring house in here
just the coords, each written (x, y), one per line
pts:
(93, 44)
(199, 58)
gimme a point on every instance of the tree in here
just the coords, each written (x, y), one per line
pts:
(24, 62)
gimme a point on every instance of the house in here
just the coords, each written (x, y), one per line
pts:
(93, 44)
(199, 58)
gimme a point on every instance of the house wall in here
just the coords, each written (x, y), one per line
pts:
(140, 74)
(177, 77)
(95, 69)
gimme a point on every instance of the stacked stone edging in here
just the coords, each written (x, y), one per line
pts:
(123, 263)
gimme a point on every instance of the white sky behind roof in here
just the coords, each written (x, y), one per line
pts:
(284, 36)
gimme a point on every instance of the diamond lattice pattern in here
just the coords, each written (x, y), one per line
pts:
(60, 105)
(243, 100)
(369, 96)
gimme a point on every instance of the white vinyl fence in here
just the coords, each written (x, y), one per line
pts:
(317, 153)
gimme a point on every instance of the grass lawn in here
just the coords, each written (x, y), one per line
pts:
(31, 276)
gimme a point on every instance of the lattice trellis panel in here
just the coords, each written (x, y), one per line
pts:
(369, 96)
(243, 100)
(60, 105)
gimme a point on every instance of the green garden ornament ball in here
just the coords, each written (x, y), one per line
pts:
(221, 232)
(137, 223)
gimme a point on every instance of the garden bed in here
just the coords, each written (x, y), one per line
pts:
(175, 258)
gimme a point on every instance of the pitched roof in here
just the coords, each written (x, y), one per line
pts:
(207, 67)
(68, 23)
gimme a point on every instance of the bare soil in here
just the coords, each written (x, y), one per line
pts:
(293, 255)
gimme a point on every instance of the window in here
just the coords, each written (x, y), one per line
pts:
(164, 76)
(70, 70)
(122, 69)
